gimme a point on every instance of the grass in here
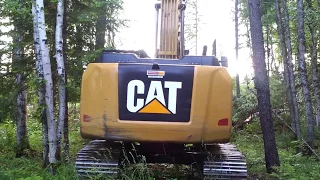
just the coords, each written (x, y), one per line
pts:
(30, 167)
(249, 141)
(293, 166)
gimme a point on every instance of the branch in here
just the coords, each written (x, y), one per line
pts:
(312, 150)
(253, 114)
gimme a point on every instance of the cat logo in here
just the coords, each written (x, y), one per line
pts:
(155, 100)
(162, 95)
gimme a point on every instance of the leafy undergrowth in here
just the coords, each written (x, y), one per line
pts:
(293, 165)
(30, 168)
(249, 141)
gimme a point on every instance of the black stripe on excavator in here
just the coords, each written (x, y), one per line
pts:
(163, 94)
(118, 56)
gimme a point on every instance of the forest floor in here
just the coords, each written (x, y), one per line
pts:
(249, 141)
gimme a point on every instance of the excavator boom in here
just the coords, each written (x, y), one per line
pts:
(171, 28)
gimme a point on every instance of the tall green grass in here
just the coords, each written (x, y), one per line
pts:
(293, 166)
(249, 141)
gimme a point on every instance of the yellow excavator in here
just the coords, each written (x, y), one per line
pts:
(175, 108)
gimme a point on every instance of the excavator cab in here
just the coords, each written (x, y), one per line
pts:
(175, 108)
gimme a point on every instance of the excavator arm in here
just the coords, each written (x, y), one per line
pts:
(171, 13)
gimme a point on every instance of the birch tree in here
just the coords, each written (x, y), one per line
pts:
(303, 72)
(61, 74)
(261, 83)
(45, 58)
(41, 87)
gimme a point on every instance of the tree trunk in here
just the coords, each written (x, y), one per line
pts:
(261, 82)
(101, 27)
(21, 117)
(52, 136)
(272, 55)
(303, 73)
(291, 72)
(315, 74)
(66, 121)
(237, 45)
(21, 121)
(268, 49)
(313, 52)
(79, 39)
(61, 75)
(41, 88)
(18, 61)
(284, 55)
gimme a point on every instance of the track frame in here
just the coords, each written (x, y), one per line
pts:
(208, 161)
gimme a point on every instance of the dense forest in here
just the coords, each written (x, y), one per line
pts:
(46, 45)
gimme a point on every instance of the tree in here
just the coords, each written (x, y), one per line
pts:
(18, 60)
(65, 48)
(236, 12)
(289, 65)
(30, 51)
(311, 23)
(286, 53)
(101, 27)
(261, 82)
(61, 75)
(303, 72)
(45, 58)
(41, 88)
(192, 25)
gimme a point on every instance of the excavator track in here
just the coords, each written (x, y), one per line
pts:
(224, 161)
(220, 161)
(98, 158)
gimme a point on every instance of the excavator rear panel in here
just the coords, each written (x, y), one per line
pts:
(172, 103)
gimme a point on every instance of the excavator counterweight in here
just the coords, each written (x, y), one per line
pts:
(175, 108)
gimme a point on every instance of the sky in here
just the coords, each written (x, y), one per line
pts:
(216, 22)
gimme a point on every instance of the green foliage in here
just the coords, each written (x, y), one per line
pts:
(254, 128)
(246, 104)
(293, 166)
(7, 137)
(31, 167)
(277, 91)
(81, 18)
(5, 108)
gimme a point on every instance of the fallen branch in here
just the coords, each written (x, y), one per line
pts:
(312, 150)
(248, 120)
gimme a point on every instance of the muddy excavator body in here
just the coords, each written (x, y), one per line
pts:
(174, 108)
